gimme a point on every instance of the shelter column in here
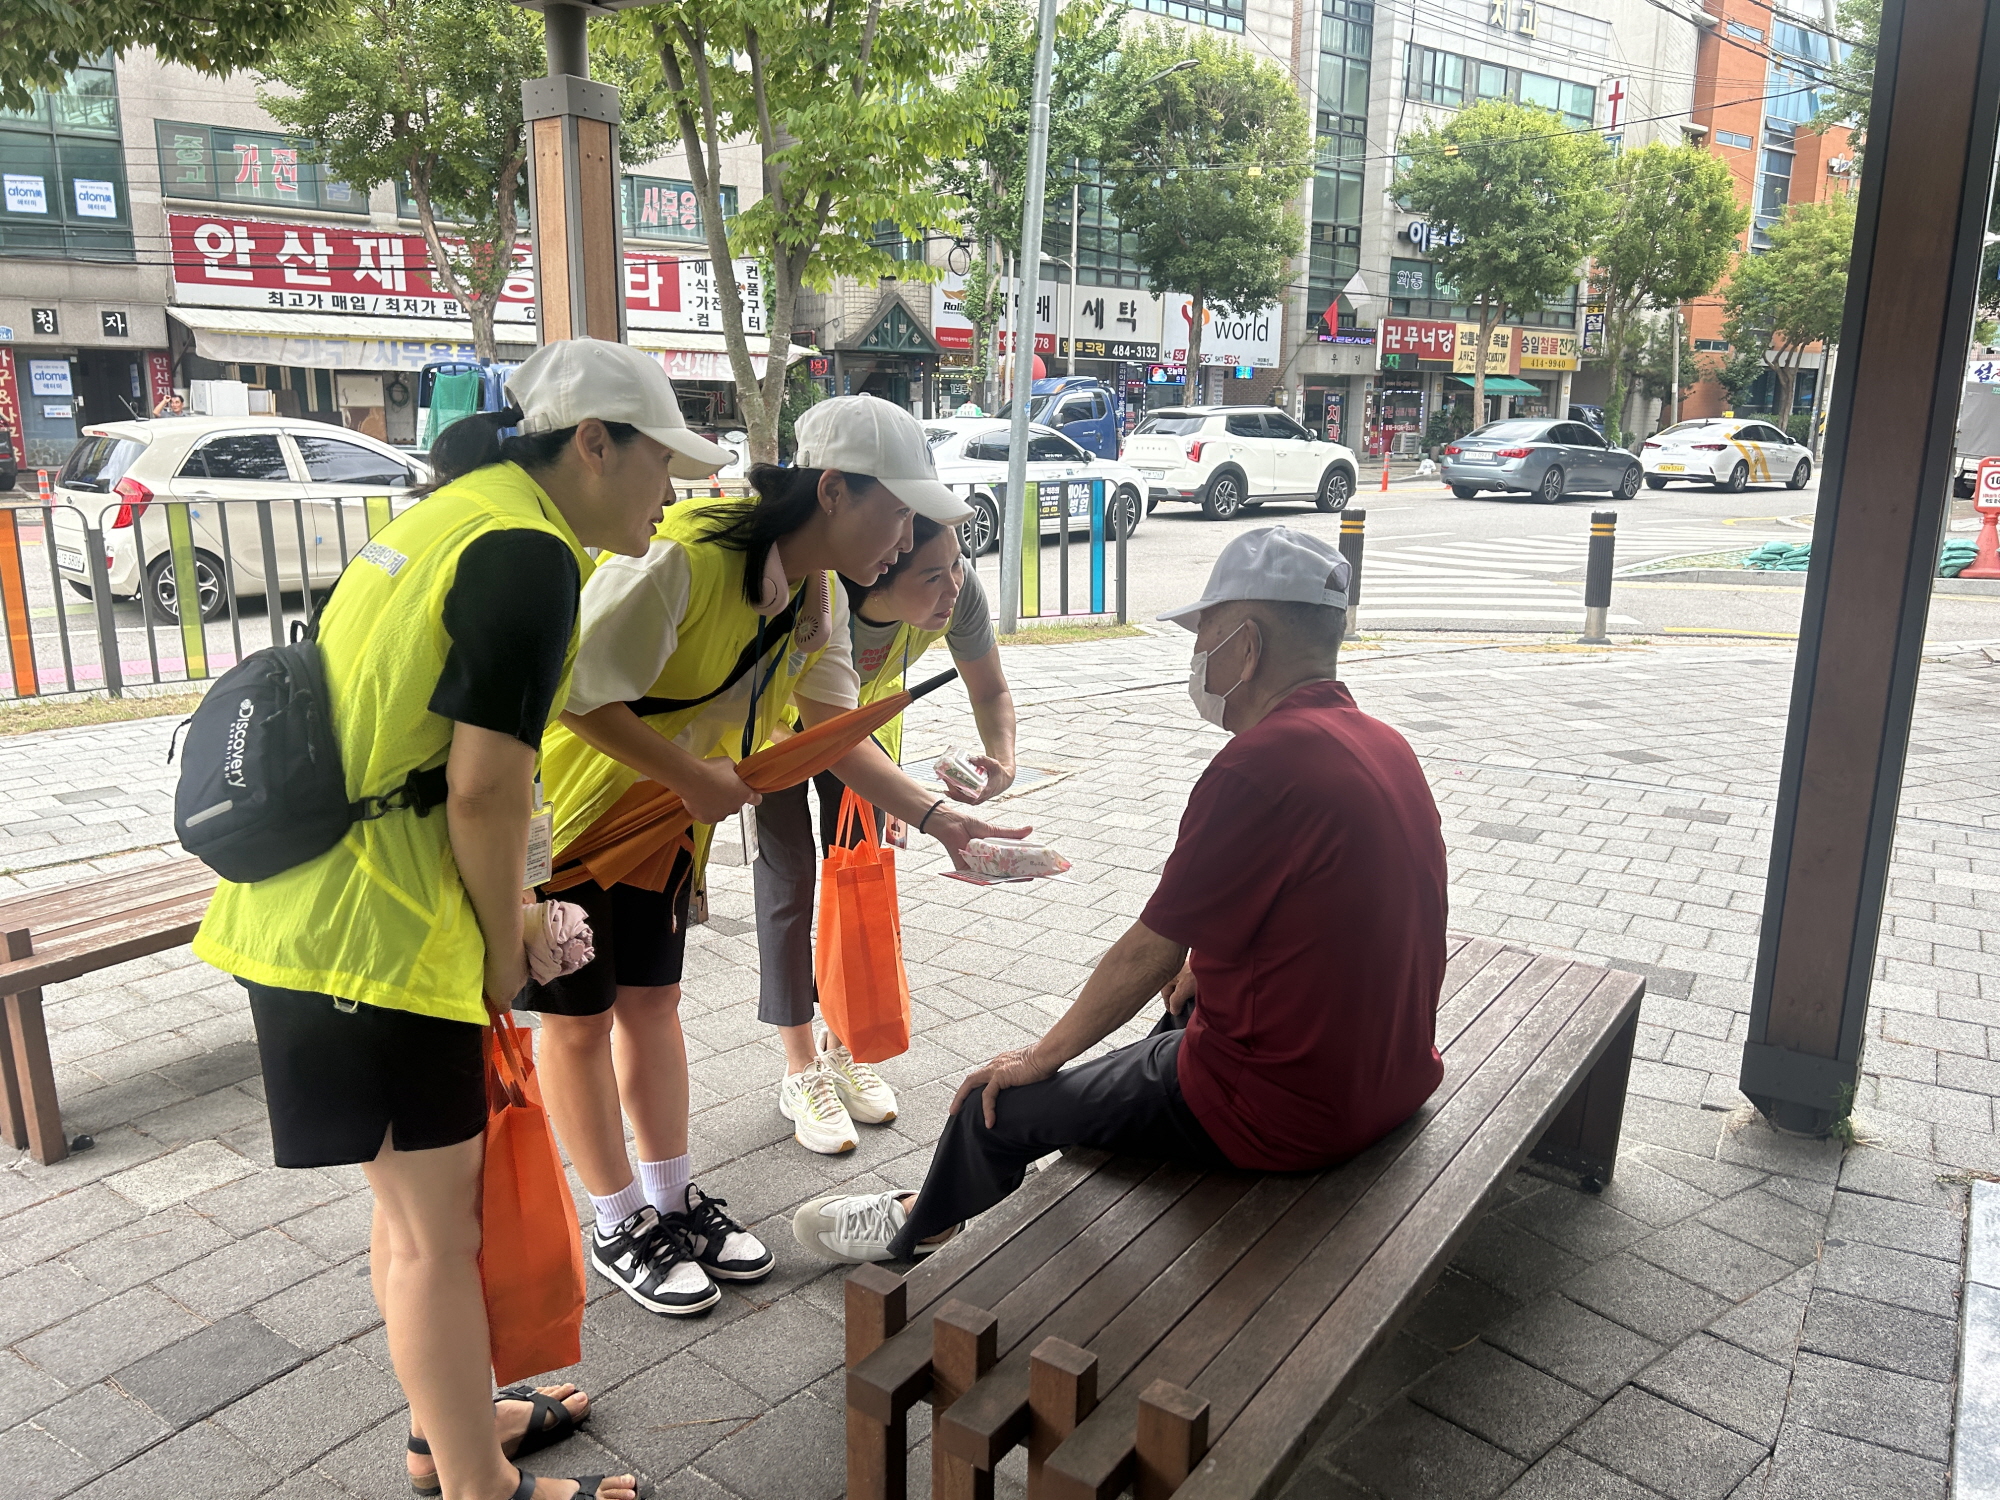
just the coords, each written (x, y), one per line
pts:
(1910, 293)
(573, 188)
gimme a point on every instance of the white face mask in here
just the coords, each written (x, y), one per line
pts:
(1210, 705)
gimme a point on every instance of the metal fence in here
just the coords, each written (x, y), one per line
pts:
(1048, 572)
(96, 600)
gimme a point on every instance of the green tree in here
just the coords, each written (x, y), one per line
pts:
(42, 40)
(1781, 303)
(1669, 241)
(850, 106)
(983, 300)
(1204, 165)
(426, 94)
(1520, 201)
(1849, 85)
(1653, 365)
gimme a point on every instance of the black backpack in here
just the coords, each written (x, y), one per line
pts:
(262, 788)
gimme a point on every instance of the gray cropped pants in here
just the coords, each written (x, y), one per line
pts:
(785, 873)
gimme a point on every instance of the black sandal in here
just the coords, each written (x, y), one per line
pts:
(586, 1486)
(542, 1433)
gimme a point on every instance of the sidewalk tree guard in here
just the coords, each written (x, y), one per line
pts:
(1912, 287)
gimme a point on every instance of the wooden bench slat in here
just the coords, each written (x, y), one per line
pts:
(89, 900)
(1096, 1458)
(104, 943)
(888, 1381)
(982, 1426)
(1256, 1452)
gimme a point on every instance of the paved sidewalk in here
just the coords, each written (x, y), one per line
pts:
(1739, 1313)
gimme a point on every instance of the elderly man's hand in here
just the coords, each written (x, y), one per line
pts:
(1180, 989)
(1007, 1071)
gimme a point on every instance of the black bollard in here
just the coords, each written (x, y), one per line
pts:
(1597, 577)
(1353, 537)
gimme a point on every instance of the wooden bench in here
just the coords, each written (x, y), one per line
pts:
(1183, 1333)
(66, 932)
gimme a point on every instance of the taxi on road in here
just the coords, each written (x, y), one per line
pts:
(1726, 453)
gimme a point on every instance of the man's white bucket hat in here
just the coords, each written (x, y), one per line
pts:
(564, 383)
(1275, 563)
(867, 435)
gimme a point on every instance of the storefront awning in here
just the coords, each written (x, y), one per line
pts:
(1505, 385)
(330, 341)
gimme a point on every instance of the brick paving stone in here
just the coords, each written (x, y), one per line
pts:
(1727, 1266)
(1936, 1232)
(1575, 1344)
(1509, 1403)
(180, 1175)
(1645, 1298)
(209, 1369)
(1726, 1384)
(240, 1273)
(1666, 1448)
(1873, 1406)
(322, 1310)
(38, 1467)
(108, 1335)
(202, 1460)
(307, 1412)
(104, 1424)
(1814, 1465)
(1454, 1311)
(1875, 1333)
(1409, 1454)
(1516, 1262)
(1567, 1475)
(797, 1448)
(1894, 1276)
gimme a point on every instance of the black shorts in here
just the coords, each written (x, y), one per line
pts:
(640, 937)
(337, 1081)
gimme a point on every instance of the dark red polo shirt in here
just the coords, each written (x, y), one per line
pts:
(1309, 881)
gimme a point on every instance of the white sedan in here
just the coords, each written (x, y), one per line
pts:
(1727, 453)
(971, 457)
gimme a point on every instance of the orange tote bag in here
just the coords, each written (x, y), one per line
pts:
(864, 992)
(531, 1252)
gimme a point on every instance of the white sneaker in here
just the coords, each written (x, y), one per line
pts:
(867, 1097)
(811, 1101)
(851, 1227)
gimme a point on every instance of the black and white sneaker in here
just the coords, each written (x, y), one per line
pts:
(651, 1261)
(722, 1247)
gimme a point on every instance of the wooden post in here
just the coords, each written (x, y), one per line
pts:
(31, 1078)
(965, 1344)
(1062, 1391)
(1919, 232)
(1583, 1138)
(1172, 1439)
(573, 188)
(878, 1466)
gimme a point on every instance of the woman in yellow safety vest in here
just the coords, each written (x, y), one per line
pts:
(372, 969)
(691, 657)
(927, 596)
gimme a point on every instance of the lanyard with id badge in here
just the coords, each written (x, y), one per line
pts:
(541, 840)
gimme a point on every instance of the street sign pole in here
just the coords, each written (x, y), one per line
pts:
(1015, 517)
(573, 188)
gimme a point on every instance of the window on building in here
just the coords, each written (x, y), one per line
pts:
(1347, 44)
(1441, 78)
(1106, 254)
(1224, 15)
(1711, 346)
(1731, 138)
(892, 242)
(1748, 33)
(660, 208)
(1774, 181)
(62, 172)
(1436, 77)
(219, 163)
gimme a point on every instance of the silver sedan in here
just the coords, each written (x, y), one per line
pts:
(1542, 458)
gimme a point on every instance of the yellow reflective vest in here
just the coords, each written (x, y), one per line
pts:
(905, 646)
(582, 781)
(382, 917)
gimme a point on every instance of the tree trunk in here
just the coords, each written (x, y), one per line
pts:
(1489, 319)
(1194, 380)
(1614, 410)
(1788, 380)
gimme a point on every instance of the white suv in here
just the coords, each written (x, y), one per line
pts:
(328, 488)
(1234, 458)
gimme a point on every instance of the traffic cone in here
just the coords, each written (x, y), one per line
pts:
(1986, 564)
(42, 487)
(1385, 471)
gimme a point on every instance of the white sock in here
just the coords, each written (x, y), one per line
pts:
(666, 1183)
(620, 1206)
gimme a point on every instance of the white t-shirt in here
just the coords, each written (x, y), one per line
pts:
(633, 608)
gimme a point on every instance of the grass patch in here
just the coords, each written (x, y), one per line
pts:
(1067, 635)
(1730, 559)
(1552, 648)
(32, 714)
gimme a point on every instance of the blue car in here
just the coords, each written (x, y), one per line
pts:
(1541, 458)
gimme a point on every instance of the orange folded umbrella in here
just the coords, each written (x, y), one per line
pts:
(635, 840)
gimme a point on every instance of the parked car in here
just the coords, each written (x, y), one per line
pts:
(1590, 416)
(1082, 409)
(1540, 457)
(318, 478)
(1235, 458)
(1727, 453)
(10, 461)
(971, 457)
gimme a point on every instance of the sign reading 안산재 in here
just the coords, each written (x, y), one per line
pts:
(221, 261)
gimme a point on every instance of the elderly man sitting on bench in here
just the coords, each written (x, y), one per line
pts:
(1297, 936)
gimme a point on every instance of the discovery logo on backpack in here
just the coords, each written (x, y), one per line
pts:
(262, 788)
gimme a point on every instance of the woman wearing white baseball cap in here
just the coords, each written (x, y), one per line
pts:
(373, 968)
(691, 657)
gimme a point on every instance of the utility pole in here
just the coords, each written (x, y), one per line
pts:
(1674, 395)
(1015, 521)
(1075, 207)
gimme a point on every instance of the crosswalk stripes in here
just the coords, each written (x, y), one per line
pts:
(1508, 578)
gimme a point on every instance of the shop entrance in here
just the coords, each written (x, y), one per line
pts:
(110, 387)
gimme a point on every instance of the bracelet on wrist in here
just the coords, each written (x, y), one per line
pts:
(927, 816)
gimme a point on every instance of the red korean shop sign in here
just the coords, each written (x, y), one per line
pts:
(10, 406)
(1420, 338)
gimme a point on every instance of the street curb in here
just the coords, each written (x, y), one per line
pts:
(1765, 579)
(1975, 1468)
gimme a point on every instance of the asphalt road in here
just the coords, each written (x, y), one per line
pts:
(1435, 562)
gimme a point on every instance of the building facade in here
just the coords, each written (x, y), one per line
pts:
(1755, 98)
